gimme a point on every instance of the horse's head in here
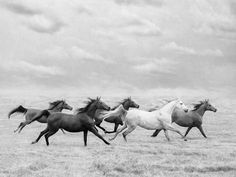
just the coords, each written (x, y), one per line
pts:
(66, 105)
(129, 103)
(181, 105)
(209, 107)
(59, 105)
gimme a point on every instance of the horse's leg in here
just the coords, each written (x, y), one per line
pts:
(120, 130)
(103, 129)
(63, 131)
(115, 128)
(166, 134)
(201, 130)
(48, 134)
(96, 128)
(169, 127)
(156, 132)
(18, 127)
(189, 128)
(85, 137)
(40, 135)
(129, 130)
(23, 125)
(95, 132)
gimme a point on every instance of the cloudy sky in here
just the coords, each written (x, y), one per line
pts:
(119, 46)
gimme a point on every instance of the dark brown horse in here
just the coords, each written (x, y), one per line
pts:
(81, 121)
(56, 106)
(192, 118)
(127, 103)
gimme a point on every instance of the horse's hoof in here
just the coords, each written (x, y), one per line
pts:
(33, 142)
(185, 139)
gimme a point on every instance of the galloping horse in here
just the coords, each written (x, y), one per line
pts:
(127, 103)
(81, 121)
(56, 106)
(192, 118)
(158, 119)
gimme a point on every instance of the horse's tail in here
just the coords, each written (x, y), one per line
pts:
(19, 109)
(39, 115)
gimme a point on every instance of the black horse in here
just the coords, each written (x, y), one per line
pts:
(81, 121)
(127, 103)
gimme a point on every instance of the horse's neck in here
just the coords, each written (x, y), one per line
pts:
(201, 111)
(126, 107)
(91, 112)
(168, 108)
(57, 108)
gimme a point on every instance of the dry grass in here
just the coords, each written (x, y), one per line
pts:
(141, 156)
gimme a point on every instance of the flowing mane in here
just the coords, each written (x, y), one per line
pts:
(197, 106)
(54, 104)
(121, 102)
(86, 107)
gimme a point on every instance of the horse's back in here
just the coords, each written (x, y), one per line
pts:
(31, 113)
(145, 119)
(184, 119)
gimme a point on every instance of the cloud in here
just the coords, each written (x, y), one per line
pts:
(212, 52)
(136, 25)
(142, 27)
(44, 24)
(129, 23)
(84, 10)
(140, 2)
(81, 54)
(172, 46)
(36, 19)
(74, 52)
(20, 8)
(39, 70)
(155, 65)
(175, 47)
(214, 17)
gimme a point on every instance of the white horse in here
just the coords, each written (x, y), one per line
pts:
(158, 119)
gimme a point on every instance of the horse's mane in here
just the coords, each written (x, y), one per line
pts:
(54, 104)
(86, 107)
(198, 105)
(121, 102)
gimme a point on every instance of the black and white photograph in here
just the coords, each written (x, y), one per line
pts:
(118, 88)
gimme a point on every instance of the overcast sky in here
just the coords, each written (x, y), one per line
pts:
(119, 46)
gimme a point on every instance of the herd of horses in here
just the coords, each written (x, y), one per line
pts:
(89, 117)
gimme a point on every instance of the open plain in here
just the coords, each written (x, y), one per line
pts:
(142, 155)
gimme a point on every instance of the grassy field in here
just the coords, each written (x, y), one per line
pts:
(142, 155)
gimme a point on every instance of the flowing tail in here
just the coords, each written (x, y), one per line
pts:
(19, 109)
(39, 115)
